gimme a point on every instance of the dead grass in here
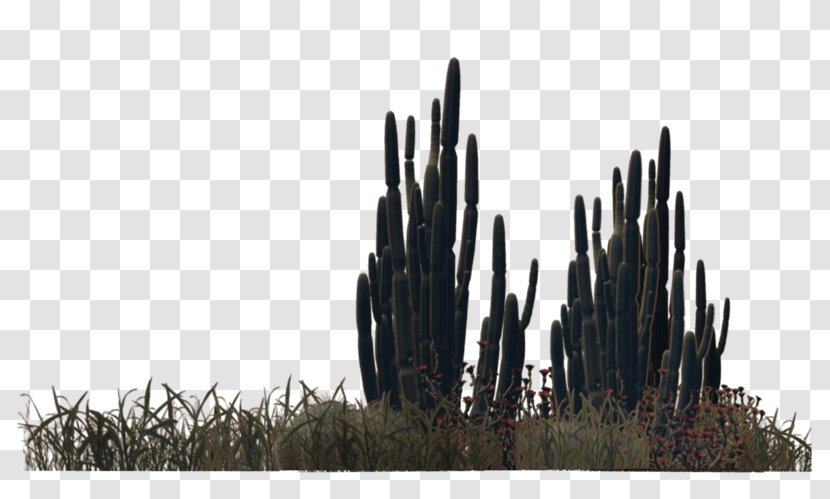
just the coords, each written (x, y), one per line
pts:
(307, 432)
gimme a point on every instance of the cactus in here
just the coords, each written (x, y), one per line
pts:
(659, 337)
(712, 361)
(508, 371)
(516, 355)
(590, 337)
(619, 329)
(692, 372)
(560, 390)
(485, 375)
(679, 233)
(646, 313)
(439, 313)
(626, 334)
(402, 305)
(364, 339)
(700, 301)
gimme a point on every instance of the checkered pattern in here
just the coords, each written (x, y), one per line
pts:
(188, 193)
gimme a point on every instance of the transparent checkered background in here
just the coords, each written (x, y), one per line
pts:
(188, 192)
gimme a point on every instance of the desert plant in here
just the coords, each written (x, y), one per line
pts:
(426, 310)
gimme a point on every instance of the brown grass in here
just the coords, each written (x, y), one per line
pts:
(312, 433)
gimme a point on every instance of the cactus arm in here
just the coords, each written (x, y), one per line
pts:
(530, 298)
(590, 340)
(724, 328)
(651, 173)
(576, 367)
(381, 234)
(365, 349)
(700, 301)
(616, 212)
(560, 389)
(688, 367)
(409, 164)
(648, 334)
(469, 225)
(374, 287)
(461, 320)
(508, 346)
(404, 340)
(564, 317)
(435, 133)
(596, 237)
(573, 290)
(631, 234)
(440, 309)
(679, 232)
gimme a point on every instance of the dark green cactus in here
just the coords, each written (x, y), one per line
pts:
(631, 234)
(712, 361)
(560, 389)
(646, 313)
(385, 354)
(619, 331)
(402, 305)
(626, 335)
(608, 326)
(507, 369)
(409, 156)
(700, 301)
(670, 360)
(692, 373)
(365, 349)
(486, 372)
(589, 336)
(467, 249)
(440, 313)
(679, 233)
(651, 184)
(659, 337)
(688, 366)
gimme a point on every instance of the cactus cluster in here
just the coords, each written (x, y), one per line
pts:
(625, 334)
(620, 332)
(413, 291)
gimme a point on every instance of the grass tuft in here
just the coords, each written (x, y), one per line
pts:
(315, 433)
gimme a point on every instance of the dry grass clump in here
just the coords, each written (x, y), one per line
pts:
(312, 433)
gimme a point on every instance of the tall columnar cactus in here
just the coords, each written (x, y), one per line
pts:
(646, 312)
(671, 358)
(467, 251)
(402, 314)
(416, 295)
(679, 233)
(448, 185)
(659, 337)
(560, 389)
(626, 334)
(486, 372)
(700, 301)
(365, 349)
(616, 330)
(589, 336)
